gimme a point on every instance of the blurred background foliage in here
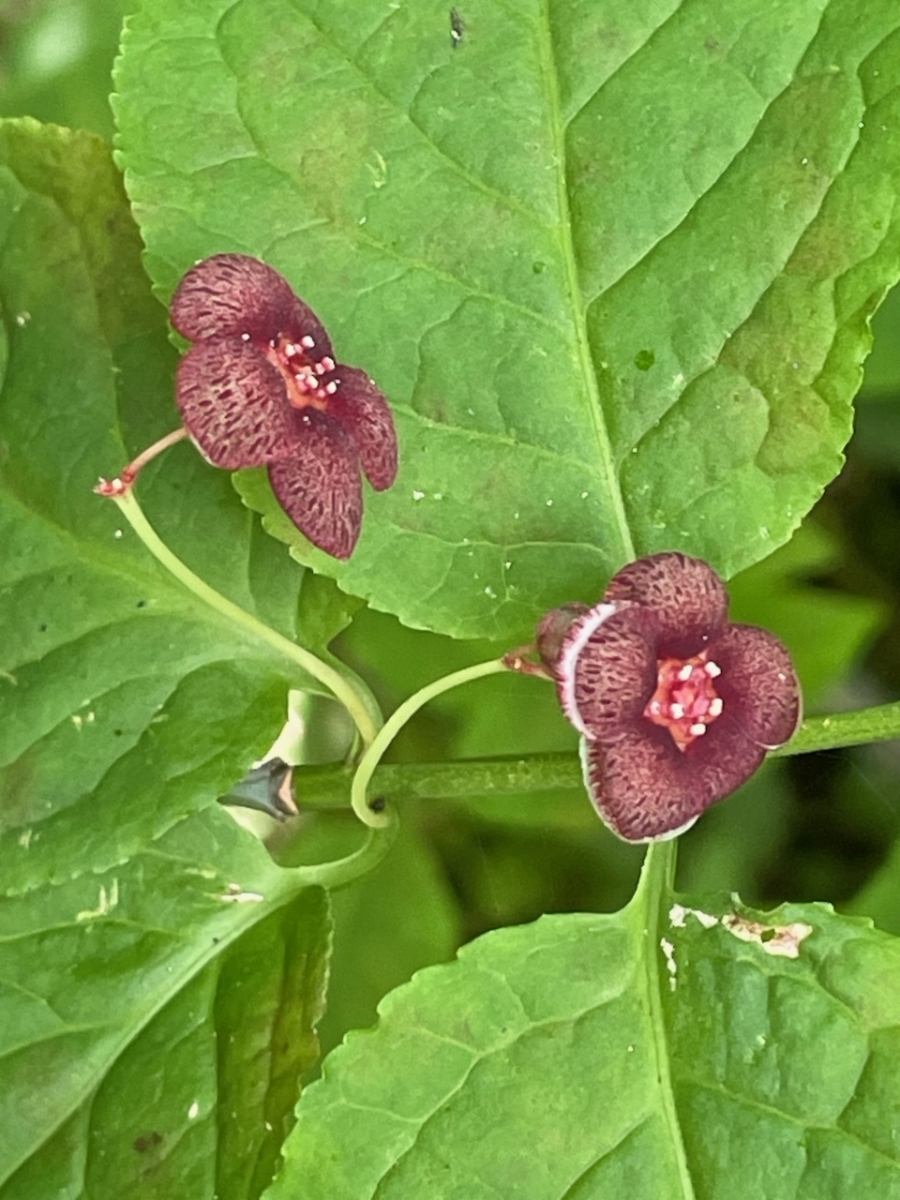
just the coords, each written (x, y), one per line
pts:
(818, 827)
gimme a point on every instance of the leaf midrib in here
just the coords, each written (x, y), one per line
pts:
(607, 473)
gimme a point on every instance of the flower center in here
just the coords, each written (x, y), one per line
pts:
(685, 700)
(302, 373)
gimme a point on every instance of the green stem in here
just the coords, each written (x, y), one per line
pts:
(395, 723)
(326, 786)
(879, 724)
(343, 871)
(332, 679)
(654, 889)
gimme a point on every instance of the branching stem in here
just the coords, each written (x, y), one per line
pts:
(395, 723)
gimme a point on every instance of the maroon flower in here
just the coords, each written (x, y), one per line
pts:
(260, 387)
(675, 705)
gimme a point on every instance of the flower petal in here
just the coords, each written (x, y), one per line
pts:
(363, 411)
(230, 295)
(758, 685)
(233, 404)
(687, 596)
(722, 759)
(606, 671)
(319, 486)
(302, 323)
(636, 788)
(646, 789)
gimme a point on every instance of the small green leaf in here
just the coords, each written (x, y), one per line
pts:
(702, 1052)
(612, 265)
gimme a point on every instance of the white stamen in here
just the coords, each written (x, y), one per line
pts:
(245, 337)
(715, 707)
(712, 669)
(290, 348)
(685, 673)
(676, 711)
(328, 363)
(697, 730)
(331, 388)
(655, 706)
(319, 368)
(307, 342)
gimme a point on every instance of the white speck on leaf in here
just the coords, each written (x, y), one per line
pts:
(236, 895)
(417, 495)
(678, 915)
(106, 903)
(671, 966)
(194, 1111)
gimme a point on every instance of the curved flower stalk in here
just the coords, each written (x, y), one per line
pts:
(676, 706)
(260, 387)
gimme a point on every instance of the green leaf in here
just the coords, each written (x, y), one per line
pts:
(400, 918)
(125, 1041)
(613, 266)
(689, 1052)
(126, 707)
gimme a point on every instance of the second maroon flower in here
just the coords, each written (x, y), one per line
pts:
(260, 387)
(676, 705)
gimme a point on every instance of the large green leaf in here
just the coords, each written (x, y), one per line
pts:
(613, 264)
(667, 1051)
(129, 899)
